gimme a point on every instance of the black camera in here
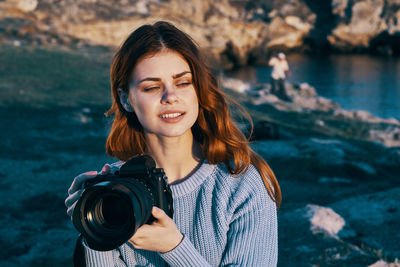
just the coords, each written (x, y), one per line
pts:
(113, 206)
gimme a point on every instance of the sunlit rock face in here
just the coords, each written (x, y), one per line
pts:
(233, 33)
(19, 5)
(363, 24)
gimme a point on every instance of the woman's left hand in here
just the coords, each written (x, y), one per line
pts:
(162, 235)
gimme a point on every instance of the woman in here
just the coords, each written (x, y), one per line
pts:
(166, 104)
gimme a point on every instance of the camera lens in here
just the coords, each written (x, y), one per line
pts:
(109, 213)
(113, 210)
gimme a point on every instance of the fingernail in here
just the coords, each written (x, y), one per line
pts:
(104, 168)
(92, 173)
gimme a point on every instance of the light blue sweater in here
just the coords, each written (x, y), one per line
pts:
(225, 220)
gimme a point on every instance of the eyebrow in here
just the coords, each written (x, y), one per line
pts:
(175, 76)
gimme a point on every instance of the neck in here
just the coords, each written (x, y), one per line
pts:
(178, 156)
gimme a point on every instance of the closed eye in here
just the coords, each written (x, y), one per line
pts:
(151, 89)
(183, 84)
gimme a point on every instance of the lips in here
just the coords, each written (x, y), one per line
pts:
(172, 116)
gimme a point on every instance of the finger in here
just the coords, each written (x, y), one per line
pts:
(70, 210)
(80, 179)
(159, 214)
(73, 198)
(135, 245)
(106, 169)
(141, 234)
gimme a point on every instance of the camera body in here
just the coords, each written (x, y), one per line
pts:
(113, 206)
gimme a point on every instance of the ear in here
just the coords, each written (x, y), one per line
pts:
(124, 99)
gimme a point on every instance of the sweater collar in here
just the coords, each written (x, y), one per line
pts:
(190, 183)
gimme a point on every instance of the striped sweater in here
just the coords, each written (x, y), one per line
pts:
(225, 220)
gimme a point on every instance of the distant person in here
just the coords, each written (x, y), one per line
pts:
(167, 105)
(280, 70)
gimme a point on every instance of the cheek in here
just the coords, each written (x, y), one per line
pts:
(195, 106)
(138, 105)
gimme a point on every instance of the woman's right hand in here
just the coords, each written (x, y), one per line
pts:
(75, 190)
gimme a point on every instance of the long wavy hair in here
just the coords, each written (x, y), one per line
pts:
(220, 139)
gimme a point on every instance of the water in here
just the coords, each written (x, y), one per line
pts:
(354, 81)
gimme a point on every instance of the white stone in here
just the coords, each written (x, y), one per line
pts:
(27, 5)
(16, 43)
(297, 23)
(324, 220)
(382, 263)
(235, 84)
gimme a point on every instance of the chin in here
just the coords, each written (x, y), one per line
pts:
(174, 132)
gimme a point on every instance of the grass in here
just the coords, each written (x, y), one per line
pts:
(42, 78)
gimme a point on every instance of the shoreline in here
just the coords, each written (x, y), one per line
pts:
(308, 112)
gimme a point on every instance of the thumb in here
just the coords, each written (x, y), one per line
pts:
(106, 169)
(159, 214)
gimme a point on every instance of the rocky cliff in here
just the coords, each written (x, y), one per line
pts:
(236, 32)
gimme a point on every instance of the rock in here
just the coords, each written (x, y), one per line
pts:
(362, 115)
(297, 8)
(27, 5)
(393, 23)
(297, 23)
(365, 23)
(390, 158)
(141, 7)
(326, 104)
(324, 220)
(282, 34)
(16, 43)
(390, 136)
(339, 7)
(272, 99)
(310, 112)
(375, 217)
(329, 152)
(265, 130)
(307, 90)
(234, 34)
(219, 27)
(305, 102)
(382, 263)
(310, 233)
(235, 84)
(362, 23)
(314, 103)
(364, 167)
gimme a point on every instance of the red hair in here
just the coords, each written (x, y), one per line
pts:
(220, 139)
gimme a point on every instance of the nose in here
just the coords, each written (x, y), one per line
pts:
(169, 95)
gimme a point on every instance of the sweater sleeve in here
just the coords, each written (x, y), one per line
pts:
(96, 258)
(253, 238)
(185, 254)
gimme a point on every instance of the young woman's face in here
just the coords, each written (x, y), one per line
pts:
(163, 96)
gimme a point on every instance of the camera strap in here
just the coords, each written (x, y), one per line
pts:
(79, 253)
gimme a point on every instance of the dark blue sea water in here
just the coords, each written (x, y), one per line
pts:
(354, 81)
